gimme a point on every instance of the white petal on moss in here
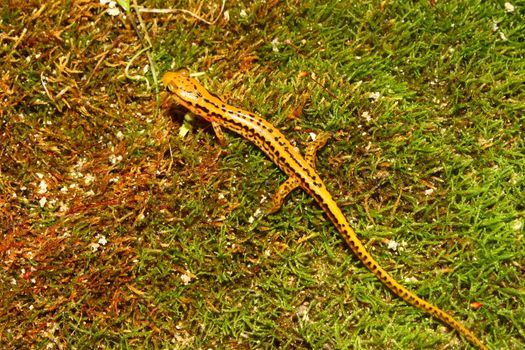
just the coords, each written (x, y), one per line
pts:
(509, 7)
(42, 187)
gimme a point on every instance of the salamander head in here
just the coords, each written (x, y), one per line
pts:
(184, 87)
(188, 91)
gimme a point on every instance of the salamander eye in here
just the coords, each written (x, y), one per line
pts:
(171, 87)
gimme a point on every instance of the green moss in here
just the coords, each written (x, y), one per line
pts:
(149, 240)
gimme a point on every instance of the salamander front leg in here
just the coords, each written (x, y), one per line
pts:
(220, 135)
(311, 150)
(291, 183)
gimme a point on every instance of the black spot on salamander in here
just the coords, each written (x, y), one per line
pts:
(206, 100)
(217, 97)
(213, 114)
(307, 171)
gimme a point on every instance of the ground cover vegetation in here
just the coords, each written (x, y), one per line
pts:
(118, 232)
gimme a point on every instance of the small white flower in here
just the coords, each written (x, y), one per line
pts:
(274, 43)
(509, 7)
(392, 245)
(502, 36)
(374, 95)
(88, 179)
(42, 187)
(366, 115)
(185, 279)
(102, 240)
(80, 163)
(243, 13)
(63, 207)
(113, 159)
(42, 202)
(429, 192)
(113, 9)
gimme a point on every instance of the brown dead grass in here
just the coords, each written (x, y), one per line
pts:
(80, 157)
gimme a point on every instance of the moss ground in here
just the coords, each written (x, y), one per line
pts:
(118, 233)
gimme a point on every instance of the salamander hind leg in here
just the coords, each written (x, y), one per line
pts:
(220, 135)
(279, 196)
(292, 183)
